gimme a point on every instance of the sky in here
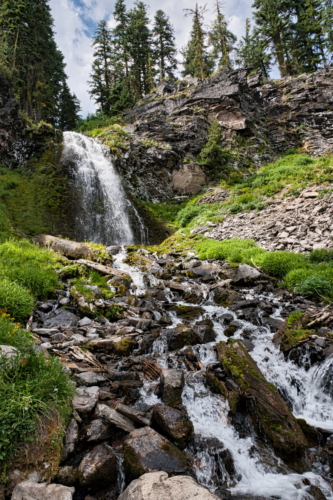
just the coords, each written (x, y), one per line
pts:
(75, 21)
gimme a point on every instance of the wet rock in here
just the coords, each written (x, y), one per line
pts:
(114, 417)
(85, 399)
(269, 414)
(145, 450)
(89, 378)
(305, 355)
(133, 414)
(61, 319)
(316, 493)
(173, 424)
(98, 430)
(67, 476)
(41, 491)
(98, 469)
(171, 386)
(204, 331)
(157, 486)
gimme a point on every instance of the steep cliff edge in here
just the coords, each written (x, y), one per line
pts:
(168, 128)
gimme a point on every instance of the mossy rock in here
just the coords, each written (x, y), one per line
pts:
(269, 414)
(293, 330)
(188, 312)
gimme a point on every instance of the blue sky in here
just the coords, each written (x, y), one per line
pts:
(75, 21)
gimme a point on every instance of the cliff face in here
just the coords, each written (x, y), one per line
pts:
(259, 122)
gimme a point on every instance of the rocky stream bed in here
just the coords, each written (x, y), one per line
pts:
(197, 380)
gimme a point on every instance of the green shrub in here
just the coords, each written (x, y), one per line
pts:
(295, 277)
(321, 255)
(213, 154)
(17, 299)
(316, 285)
(30, 386)
(280, 263)
(187, 214)
(35, 278)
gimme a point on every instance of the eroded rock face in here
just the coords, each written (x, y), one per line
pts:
(145, 450)
(189, 179)
(157, 486)
(98, 469)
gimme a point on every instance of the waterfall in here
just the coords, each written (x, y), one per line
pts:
(102, 210)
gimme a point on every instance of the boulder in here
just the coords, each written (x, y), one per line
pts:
(29, 490)
(67, 248)
(98, 430)
(171, 386)
(98, 469)
(114, 417)
(158, 486)
(89, 378)
(173, 424)
(72, 437)
(85, 400)
(61, 319)
(133, 414)
(8, 351)
(146, 450)
(189, 178)
(183, 335)
(242, 274)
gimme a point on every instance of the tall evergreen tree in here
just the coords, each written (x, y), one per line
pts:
(252, 51)
(274, 24)
(69, 109)
(32, 56)
(102, 77)
(139, 46)
(121, 35)
(197, 61)
(164, 45)
(221, 39)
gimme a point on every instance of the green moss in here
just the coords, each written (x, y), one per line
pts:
(123, 347)
(293, 317)
(188, 312)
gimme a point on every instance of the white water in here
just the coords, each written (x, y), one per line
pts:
(103, 211)
(256, 473)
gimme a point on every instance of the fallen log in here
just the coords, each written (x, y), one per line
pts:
(67, 248)
(103, 269)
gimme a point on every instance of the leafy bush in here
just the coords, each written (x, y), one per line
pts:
(280, 263)
(17, 299)
(321, 255)
(40, 281)
(295, 277)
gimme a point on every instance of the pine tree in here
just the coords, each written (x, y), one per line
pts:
(139, 47)
(102, 70)
(69, 109)
(197, 61)
(164, 45)
(121, 35)
(274, 25)
(221, 38)
(252, 51)
(32, 56)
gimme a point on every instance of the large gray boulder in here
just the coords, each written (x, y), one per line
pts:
(98, 469)
(29, 490)
(85, 399)
(145, 450)
(158, 486)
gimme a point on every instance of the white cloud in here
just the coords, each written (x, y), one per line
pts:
(74, 23)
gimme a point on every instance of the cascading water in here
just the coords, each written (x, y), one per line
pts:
(257, 471)
(103, 211)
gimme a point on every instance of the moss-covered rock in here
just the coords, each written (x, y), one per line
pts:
(269, 414)
(293, 330)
